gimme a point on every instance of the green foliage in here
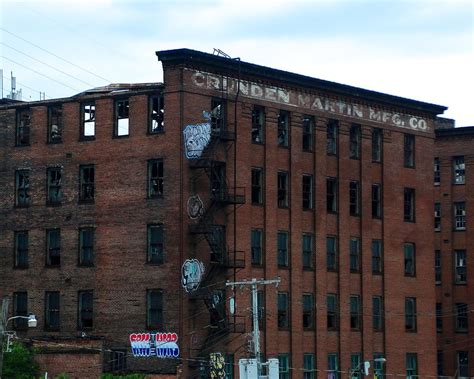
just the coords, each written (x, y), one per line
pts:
(19, 363)
(129, 376)
(62, 376)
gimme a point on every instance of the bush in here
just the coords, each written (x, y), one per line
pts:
(19, 363)
(129, 376)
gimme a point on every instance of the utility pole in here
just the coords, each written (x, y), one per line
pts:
(3, 329)
(254, 283)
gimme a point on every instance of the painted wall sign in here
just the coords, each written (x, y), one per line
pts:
(192, 273)
(195, 207)
(161, 345)
(197, 137)
(305, 100)
(216, 365)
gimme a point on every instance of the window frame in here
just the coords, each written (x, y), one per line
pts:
(356, 365)
(257, 184)
(283, 308)
(88, 308)
(22, 188)
(154, 310)
(460, 267)
(256, 251)
(437, 217)
(307, 254)
(309, 366)
(160, 245)
(307, 192)
(410, 315)
(307, 142)
(283, 129)
(121, 112)
(355, 312)
(90, 122)
(53, 247)
(160, 112)
(461, 318)
(377, 314)
(439, 317)
(377, 257)
(459, 170)
(377, 145)
(354, 254)
(23, 127)
(462, 367)
(331, 195)
(219, 117)
(411, 365)
(333, 365)
(354, 198)
(354, 141)
(409, 151)
(82, 261)
(308, 311)
(283, 189)
(409, 205)
(409, 254)
(460, 215)
(438, 267)
(283, 249)
(332, 261)
(284, 366)
(49, 311)
(332, 137)
(332, 312)
(376, 201)
(436, 172)
(155, 181)
(55, 113)
(54, 184)
(84, 185)
(257, 134)
(20, 308)
(19, 251)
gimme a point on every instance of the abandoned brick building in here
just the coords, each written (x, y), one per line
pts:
(126, 208)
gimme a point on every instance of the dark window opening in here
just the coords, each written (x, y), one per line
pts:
(409, 150)
(437, 172)
(155, 244)
(354, 198)
(462, 313)
(258, 123)
(308, 132)
(217, 309)
(463, 364)
(156, 114)
(218, 115)
(55, 193)
(307, 191)
(257, 186)
(355, 314)
(331, 195)
(283, 128)
(52, 311)
(438, 266)
(376, 257)
(331, 146)
(410, 314)
(257, 241)
(354, 252)
(439, 318)
(22, 195)
(377, 314)
(88, 121)
(85, 313)
(354, 141)
(376, 145)
(23, 127)
(154, 309)
(376, 201)
(307, 251)
(460, 267)
(459, 170)
(20, 308)
(332, 319)
(409, 205)
(282, 189)
(283, 249)
(437, 217)
(155, 178)
(283, 310)
(122, 118)
(331, 253)
(86, 246)
(21, 249)
(410, 262)
(308, 309)
(55, 124)
(53, 248)
(87, 187)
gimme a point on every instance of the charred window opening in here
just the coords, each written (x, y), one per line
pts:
(23, 127)
(155, 178)
(218, 113)
(54, 185)
(55, 124)
(283, 128)
(87, 186)
(354, 137)
(258, 122)
(53, 247)
(122, 118)
(88, 121)
(85, 310)
(282, 189)
(156, 114)
(86, 246)
(23, 198)
(155, 254)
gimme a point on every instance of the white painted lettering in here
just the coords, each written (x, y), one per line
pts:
(270, 93)
(317, 104)
(283, 95)
(213, 82)
(256, 90)
(357, 111)
(304, 101)
(199, 79)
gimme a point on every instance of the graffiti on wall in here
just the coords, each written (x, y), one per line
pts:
(161, 345)
(195, 207)
(197, 137)
(216, 365)
(192, 273)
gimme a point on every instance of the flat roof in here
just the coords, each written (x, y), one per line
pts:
(235, 67)
(452, 132)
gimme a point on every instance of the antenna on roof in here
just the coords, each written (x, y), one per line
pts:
(221, 53)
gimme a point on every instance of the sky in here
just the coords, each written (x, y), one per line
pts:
(419, 49)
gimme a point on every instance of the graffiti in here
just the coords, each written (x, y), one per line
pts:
(217, 365)
(195, 207)
(161, 345)
(192, 273)
(197, 137)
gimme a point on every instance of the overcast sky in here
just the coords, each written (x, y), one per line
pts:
(420, 49)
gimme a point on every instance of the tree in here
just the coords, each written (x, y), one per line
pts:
(19, 363)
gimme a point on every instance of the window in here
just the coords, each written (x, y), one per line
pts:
(355, 315)
(20, 308)
(155, 178)
(307, 191)
(333, 366)
(88, 121)
(354, 252)
(461, 322)
(261, 308)
(155, 244)
(377, 314)
(355, 366)
(22, 190)
(51, 310)
(257, 185)
(283, 128)
(118, 360)
(85, 309)
(53, 247)
(308, 130)
(354, 198)
(86, 246)
(378, 366)
(218, 181)
(87, 186)
(154, 309)
(376, 145)
(282, 189)
(438, 266)
(23, 123)
(409, 254)
(307, 245)
(331, 145)
(410, 314)
(409, 150)
(218, 115)
(217, 308)
(437, 172)
(459, 170)
(122, 124)
(21, 249)
(412, 365)
(332, 311)
(460, 215)
(283, 249)
(409, 205)
(439, 317)
(258, 123)
(156, 114)
(377, 257)
(284, 366)
(437, 217)
(440, 363)
(460, 267)
(331, 195)
(283, 310)
(308, 366)
(257, 243)
(331, 253)
(463, 364)
(376, 200)
(55, 193)
(55, 124)
(229, 366)
(308, 307)
(354, 141)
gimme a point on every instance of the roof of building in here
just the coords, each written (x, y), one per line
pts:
(452, 132)
(236, 67)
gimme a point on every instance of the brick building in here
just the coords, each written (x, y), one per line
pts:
(454, 199)
(243, 171)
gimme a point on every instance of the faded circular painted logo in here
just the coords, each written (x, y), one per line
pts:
(195, 207)
(192, 273)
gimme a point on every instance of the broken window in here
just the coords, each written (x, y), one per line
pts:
(283, 128)
(437, 217)
(460, 215)
(54, 185)
(437, 172)
(258, 122)
(122, 118)
(410, 314)
(460, 267)
(87, 187)
(331, 145)
(55, 124)
(21, 249)
(22, 182)
(88, 121)
(53, 247)
(218, 182)
(85, 309)
(283, 310)
(218, 113)
(376, 145)
(154, 309)
(257, 186)
(282, 189)
(307, 191)
(155, 253)
(23, 125)
(355, 315)
(331, 195)
(459, 169)
(155, 178)
(217, 308)
(86, 246)
(51, 310)
(156, 114)
(308, 131)
(354, 137)
(331, 307)
(354, 198)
